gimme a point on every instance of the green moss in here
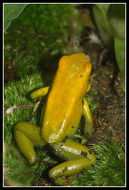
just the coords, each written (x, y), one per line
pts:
(17, 93)
(91, 101)
(19, 171)
(109, 169)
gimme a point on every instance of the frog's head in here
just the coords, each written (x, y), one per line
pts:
(77, 68)
(76, 62)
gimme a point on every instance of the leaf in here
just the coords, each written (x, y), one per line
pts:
(120, 57)
(116, 17)
(11, 11)
(110, 21)
(85, 19)
(100, 16)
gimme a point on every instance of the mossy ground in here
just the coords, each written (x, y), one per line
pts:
(109, 169)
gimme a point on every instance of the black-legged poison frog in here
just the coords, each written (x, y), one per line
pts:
(64, 108)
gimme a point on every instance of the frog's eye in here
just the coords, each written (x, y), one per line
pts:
(87, 58)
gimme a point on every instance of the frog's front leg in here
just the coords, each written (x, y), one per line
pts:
(27, 137)
(78, 158)
(40, 92)
(88, 128)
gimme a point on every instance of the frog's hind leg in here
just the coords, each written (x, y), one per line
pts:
(64, 173)
(27, 137)
(25, 146)
(78, 157)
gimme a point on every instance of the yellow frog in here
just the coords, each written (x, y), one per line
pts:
(63, 110)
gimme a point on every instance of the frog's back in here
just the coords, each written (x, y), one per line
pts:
(64, 103)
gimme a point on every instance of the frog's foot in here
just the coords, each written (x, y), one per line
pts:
(78, 157)
(64, 181)
(82, 138)
(67, 169)
(27, 137)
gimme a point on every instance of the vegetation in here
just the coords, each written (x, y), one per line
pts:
(40, 31)
(110, 156)
(111, 27)
(40, 36)
(109, 169)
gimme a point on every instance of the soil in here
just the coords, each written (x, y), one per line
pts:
(109, 118)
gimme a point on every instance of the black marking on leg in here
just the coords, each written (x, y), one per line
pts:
(64, 140)
(65, 169)
(84, 153)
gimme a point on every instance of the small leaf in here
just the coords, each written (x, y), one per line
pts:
(116, 17)
(85, 19)
(100, 15)
(11, 11)
(120, 57)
